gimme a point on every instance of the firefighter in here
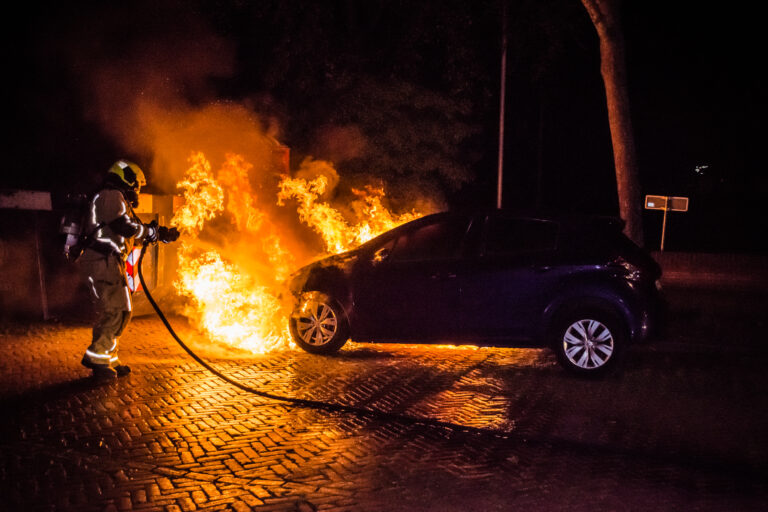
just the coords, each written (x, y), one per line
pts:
(112, 228)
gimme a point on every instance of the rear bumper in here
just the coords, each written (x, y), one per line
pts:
(653, 317)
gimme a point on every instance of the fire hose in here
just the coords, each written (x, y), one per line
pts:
(301, 402)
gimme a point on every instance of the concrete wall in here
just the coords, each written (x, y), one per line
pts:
(733, 271)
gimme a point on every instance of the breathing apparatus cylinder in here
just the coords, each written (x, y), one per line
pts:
(72, 229)
(71, 225)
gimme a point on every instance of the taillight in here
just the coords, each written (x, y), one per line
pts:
(629, 271)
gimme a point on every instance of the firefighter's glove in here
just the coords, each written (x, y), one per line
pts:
(152, 232)
(167, 235)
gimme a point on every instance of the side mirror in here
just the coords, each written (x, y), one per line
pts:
(381, 255)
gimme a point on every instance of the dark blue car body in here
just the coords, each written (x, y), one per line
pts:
(488, 278)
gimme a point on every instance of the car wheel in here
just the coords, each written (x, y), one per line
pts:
(318, 324)
(588, 342)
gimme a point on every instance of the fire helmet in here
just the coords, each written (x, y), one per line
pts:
(128, 174)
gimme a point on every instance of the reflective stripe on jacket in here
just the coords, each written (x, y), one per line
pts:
(113, 225)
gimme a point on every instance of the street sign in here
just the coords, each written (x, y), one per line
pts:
(655, 202)
(667, 204)
(675, 204)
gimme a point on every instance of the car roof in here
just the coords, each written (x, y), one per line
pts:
(570, 221)
(565, 218)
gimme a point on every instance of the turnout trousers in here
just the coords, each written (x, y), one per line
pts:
(105, 277)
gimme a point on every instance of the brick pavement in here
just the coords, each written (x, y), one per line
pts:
(683, 426)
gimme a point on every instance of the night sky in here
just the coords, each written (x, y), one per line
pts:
(407, 93)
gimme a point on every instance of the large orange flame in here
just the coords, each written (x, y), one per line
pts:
(337, 233)
(234, 288)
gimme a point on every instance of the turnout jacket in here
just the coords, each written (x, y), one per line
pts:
(112, 225)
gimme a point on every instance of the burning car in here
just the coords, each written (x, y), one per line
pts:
(575, 285)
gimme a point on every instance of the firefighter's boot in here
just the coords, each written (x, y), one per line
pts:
(121, 369)
(100, 371)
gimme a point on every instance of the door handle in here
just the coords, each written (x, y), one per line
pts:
(438, 275)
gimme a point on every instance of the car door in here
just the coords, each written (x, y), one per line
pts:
(504, 290)
(407, 291)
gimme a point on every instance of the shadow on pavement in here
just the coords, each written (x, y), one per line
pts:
(35, 397)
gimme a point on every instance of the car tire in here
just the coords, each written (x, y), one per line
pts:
(318, 324)
(588, 341)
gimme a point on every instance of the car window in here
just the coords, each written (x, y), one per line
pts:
(439, 240)
(510, 235)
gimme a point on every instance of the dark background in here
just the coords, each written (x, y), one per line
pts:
(418, 81)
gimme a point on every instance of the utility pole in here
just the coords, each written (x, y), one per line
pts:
(502, 99)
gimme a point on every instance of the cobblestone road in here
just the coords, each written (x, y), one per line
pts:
(683, 426)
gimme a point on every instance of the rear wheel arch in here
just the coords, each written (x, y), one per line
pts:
(555, 312)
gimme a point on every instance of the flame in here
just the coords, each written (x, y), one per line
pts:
(234, 287)
(234, 176)
(203, 197)
(229, 305)
(337, 234)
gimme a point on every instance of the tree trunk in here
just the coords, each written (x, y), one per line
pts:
(605, 17)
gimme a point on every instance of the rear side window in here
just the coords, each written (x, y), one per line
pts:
(513, 236)
(440, 240)
(599, 239)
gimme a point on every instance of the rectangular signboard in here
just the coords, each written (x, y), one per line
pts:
(655, 202)
(677, 204)
(668, 204)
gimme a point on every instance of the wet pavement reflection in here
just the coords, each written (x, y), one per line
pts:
(682, 425)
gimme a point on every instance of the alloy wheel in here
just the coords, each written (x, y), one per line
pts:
(316, 323)
(588, 344)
